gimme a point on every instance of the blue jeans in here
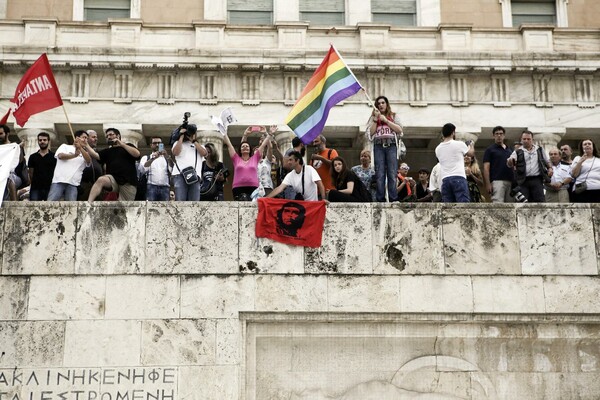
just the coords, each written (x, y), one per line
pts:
(185, 192)
(386, 166)
(157, 193)
(455, 189)
(38, 194)
(58, 190)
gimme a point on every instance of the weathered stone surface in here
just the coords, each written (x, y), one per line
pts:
(572, 294)
(217, 296)
(2, 218)
(262, 255)
(506, 294)
(228, 341)
(363, 293)
(192, 238)
(381, 359)
(102, 343)
(178, 342)
(66, 297)
(142, 297)
(557, 240)
(346, 246)
(407, 240)
(31, 344)
(436, 294)
(596, 220)
(121, 251)
(209, 382)
(39, 240)
(14, 292)
(481, 240)
(291, 293)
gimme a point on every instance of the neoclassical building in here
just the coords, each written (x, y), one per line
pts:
(140, 64)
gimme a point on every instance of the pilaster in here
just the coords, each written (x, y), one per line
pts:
(547, 137)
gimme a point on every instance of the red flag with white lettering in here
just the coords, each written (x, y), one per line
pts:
(291, 221)
(36, 92)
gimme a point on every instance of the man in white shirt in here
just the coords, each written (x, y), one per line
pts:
(531, 168)
(557, 190)
(298, 171)
(450, 154)
(71, 160)
(157, 167)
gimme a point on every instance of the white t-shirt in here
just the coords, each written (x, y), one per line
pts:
(451, 155)
(294, 179)
(68, 171)
(593, 179)
(187, 158)
(158, 171)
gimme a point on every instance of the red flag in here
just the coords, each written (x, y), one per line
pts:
(290, 221)
(36, 92)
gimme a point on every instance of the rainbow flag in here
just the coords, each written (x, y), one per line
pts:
(331, 83)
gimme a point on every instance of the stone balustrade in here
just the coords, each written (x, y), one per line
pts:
(471, 301)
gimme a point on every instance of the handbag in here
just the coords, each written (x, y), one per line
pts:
(582, 186)
(189, 174)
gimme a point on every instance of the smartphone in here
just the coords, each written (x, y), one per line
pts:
(161, 147)
(255, 129)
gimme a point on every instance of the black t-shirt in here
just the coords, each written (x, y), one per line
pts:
(497, 155)
(208, 174)
(120, 164)
(43, 170)
(358, 191)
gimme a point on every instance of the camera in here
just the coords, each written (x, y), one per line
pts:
(176, 134)
(225, 173)
(111, 142)
(519, 197)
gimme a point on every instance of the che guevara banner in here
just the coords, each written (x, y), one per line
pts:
(293, 222)
(36, 92)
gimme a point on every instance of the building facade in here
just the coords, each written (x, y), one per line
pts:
(140, 64)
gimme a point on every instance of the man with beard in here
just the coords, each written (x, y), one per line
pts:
(290, 219)
(41, 166)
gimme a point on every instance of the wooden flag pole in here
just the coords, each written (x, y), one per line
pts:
(69, 122)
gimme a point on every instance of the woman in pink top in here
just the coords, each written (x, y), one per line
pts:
(245, 164)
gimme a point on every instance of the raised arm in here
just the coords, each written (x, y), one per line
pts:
(230, 147)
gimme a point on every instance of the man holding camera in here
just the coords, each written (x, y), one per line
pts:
(189, 155)
(451, 153)
(305, 180)
(157, 167)
(121, 174)
(531, 167)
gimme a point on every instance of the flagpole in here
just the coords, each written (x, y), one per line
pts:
(68, 122)
(361, 86)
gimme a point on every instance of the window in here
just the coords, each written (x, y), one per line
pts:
(250, 12)
(533, 12)
(395, 12)
(102, 10)
(322, 12)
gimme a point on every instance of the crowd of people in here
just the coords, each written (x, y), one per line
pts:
(191, 171)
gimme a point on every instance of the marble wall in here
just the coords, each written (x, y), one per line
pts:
(150, 301)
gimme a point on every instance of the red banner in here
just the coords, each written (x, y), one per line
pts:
(36, 92)
(290, 221)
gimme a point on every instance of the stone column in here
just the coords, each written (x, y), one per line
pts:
(130, 133)
(547, 137)
(3, 7)
(284, 140)
(213, 137)
(29, 136)
(465, 133)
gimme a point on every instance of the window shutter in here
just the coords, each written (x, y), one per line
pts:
(394, 6)
(322, 6)
(108, 4)
(247, 5)
(245, 12)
